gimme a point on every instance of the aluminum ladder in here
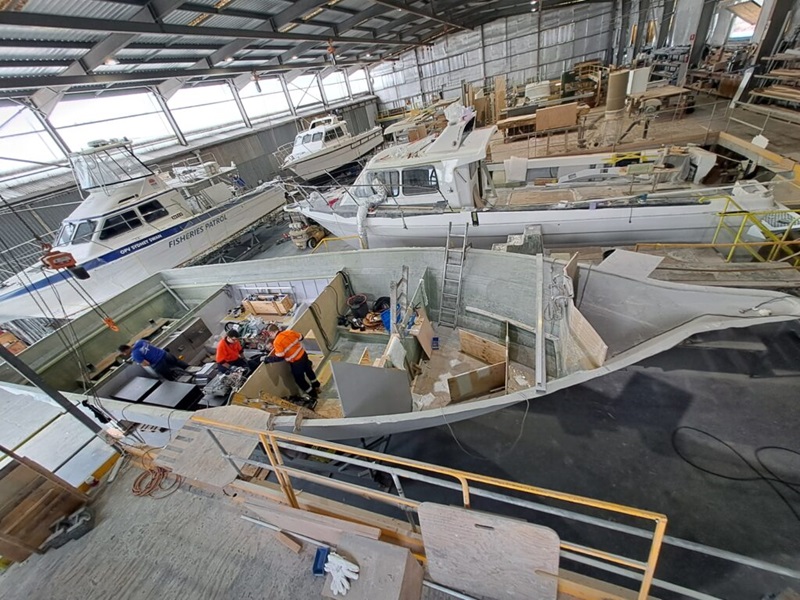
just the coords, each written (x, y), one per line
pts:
(452, 274)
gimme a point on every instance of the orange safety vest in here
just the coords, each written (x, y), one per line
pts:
(226, 352)
(288, 345)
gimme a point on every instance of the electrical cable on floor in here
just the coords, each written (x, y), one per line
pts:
(503, 454)
(772, 479)
(154, 480)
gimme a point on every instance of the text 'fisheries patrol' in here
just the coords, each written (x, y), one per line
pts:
(197, 230)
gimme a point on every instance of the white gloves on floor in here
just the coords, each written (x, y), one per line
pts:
(341, 571)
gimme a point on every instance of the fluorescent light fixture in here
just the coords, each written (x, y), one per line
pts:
(294, 57)
(228, 59)
(287, 27)
(111, 61)
(312, 14)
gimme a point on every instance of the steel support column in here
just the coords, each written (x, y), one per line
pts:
(282, 79)
(706, 16)
(162, 103)
(665, 26)
(23, 369)
(238, 99)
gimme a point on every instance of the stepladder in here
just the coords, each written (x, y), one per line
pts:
(452, 274)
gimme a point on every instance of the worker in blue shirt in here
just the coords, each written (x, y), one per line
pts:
(158, 359)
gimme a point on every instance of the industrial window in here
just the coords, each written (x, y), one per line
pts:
(333, 134)
(152, 211)
(304, 91)
(358, 82)
(119, 224)
(264, 98)
(335, 86)
(317, 137)
(420, 180)
(204, 108)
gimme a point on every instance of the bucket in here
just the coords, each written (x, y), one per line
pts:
(358, 305)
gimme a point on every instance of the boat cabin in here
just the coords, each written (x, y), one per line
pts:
(323, 133)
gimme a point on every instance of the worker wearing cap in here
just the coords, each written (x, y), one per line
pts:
(288, 345)
(148, 355)
(230, 352)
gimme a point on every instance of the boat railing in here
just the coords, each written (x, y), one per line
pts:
(282, 152)
(195, 167)
(568, 514)
(562, 510)
(734, 239)
(324, 244)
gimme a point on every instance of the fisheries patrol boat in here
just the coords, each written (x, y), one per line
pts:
(326, 146)
(133, 222)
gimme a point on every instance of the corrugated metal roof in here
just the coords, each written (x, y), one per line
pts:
(42, 53)
(84, 8)
(29, 71)
(11, 32)
(227, 21)
(271, 7)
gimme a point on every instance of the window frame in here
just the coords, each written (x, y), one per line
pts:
(423, 190)
(160, 211)
(132, 223)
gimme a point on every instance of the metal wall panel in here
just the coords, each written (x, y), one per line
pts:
(513, 46)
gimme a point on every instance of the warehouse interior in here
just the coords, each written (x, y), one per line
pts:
(350, 297)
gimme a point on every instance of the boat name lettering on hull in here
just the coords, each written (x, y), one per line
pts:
(140, 244)
(197, 230)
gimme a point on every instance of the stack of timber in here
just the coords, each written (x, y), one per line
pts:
(31, 501)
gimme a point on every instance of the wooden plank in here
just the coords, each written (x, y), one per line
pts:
(477, 383)
(265, 493)
(423, 331)
(288, 541)
(479, 347)
(488, 555)
(499, 95)
(318, 527)
(200, 458)
(555, 117)
(386, 571)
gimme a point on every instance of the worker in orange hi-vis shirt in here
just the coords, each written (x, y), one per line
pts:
(287, 344)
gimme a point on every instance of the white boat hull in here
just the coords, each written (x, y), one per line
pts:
(327, 160)
(690, 223)
(59, 295)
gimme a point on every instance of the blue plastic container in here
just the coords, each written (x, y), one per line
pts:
(320, 558)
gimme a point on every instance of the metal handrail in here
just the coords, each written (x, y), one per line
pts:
(273, 441)
(326, 240)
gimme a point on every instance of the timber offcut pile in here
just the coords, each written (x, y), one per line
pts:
(780, 92)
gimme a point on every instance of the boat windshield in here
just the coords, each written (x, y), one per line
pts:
(107, 166)
(75, 232)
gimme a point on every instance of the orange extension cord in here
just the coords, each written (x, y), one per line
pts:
(156, 479)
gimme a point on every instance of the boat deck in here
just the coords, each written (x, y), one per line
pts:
(540, 195)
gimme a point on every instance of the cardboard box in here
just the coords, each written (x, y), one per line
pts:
(269, 305)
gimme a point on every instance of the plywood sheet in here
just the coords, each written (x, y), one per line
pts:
(386, 571)
(630, 264)
(477, 383)
(555, 117)
(193, 454)
(747, 11)
(486, 350)
(18, 420)
(585, 348)
(488, 555)
(424, 334)
(367, 391)
(318, 527)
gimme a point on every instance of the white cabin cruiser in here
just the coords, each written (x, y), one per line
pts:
(134, 222)
(326, 146)
(408, 195)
